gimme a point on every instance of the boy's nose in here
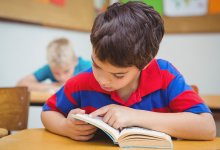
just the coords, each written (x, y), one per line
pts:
(104, 82)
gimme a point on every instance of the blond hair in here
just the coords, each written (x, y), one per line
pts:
(60, 52)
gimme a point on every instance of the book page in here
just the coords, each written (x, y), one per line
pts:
(97, 121)
(143, 131)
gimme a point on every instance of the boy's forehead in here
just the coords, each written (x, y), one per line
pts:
(96, 60)
(108, 67)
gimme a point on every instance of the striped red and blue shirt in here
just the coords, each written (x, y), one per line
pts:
(161, 89)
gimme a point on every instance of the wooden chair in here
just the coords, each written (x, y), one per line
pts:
(14, 104)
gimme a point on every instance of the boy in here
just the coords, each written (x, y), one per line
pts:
(62, 64)
(126, 85)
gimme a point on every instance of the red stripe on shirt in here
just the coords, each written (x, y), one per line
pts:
(51, 102)
(69, 96)
(185, 100)
(89, 109)
(162, 110)
(84, 81)
(167, 77)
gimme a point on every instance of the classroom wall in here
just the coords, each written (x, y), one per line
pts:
(22, 50)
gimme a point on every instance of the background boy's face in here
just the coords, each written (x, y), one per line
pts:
(113, 78)
(62, 73)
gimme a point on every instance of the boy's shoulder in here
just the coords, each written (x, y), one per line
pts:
(165, 65)
(158, 74)
(82, 77)
(84, 62)
(83, 81)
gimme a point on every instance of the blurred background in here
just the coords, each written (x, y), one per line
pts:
(191, 42)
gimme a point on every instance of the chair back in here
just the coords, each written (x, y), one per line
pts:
(14, 104)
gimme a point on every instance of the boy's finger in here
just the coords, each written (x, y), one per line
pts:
(86, 127)
(79, 122)
(100, 112)
(83, 137)
(87, 132)
(77, 111)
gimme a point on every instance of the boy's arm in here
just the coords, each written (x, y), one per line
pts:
(183, 125)
(56, 115)
(69, 127)
(33, 85)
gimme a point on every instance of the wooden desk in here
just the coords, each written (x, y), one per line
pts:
(40, 139)
(39, 98)
(213, 101)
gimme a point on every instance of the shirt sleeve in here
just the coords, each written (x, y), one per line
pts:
(181, 96)
(44, 73)
(62, 101)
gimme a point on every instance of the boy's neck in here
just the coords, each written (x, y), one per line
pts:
(127, 91)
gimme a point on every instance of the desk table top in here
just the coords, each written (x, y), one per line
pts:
(40, 139)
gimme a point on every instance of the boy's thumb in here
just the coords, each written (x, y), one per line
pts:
(78, 111)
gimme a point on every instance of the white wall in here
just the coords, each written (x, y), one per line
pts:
(22, 50)
(197, 57)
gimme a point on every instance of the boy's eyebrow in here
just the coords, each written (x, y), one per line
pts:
(118, 73)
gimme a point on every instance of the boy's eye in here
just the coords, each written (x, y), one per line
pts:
(118, 77)
(95, 65)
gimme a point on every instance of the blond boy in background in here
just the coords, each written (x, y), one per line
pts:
(62, 64)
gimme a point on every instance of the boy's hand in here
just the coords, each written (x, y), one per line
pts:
(78, 130)
(116, 116)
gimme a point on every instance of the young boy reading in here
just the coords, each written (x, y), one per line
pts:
(126, 85)
(62, 65)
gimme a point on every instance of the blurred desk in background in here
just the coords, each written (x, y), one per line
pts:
(38, 98)
(213, 101)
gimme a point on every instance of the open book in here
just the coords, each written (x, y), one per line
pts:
(133, 137)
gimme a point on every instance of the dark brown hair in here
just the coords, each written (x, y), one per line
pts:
(127, 34)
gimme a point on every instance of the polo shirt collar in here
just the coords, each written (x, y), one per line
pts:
(150, 81)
